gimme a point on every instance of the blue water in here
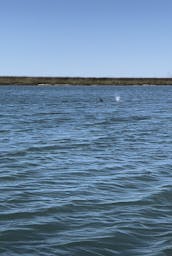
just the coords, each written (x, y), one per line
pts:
(84, 172)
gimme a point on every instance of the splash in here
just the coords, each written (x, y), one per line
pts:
(117, 98)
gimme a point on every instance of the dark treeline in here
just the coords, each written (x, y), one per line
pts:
(23, 80)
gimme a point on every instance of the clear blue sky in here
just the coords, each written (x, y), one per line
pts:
(86, 37)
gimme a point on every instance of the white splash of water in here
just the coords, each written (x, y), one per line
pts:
(117, 98)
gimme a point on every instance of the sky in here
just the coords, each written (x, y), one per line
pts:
(102, 38)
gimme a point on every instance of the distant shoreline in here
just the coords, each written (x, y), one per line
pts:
(27, 80)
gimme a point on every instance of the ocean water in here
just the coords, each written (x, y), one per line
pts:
(86, 170)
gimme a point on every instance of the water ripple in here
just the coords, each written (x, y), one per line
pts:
(84, 177)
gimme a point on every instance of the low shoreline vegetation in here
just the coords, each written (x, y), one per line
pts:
(24, 80)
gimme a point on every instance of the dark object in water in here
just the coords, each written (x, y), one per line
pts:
(100, 99)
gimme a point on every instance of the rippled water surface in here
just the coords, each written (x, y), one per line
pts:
(86, 170)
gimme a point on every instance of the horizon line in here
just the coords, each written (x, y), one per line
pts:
(85, 77)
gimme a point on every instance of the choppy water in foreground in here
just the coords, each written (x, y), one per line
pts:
(84, 172)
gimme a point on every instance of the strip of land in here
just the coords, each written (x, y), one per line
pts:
(24, 80)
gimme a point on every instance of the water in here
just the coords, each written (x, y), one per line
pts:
(82, 173)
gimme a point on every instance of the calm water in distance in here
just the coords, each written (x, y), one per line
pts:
(86, 170)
